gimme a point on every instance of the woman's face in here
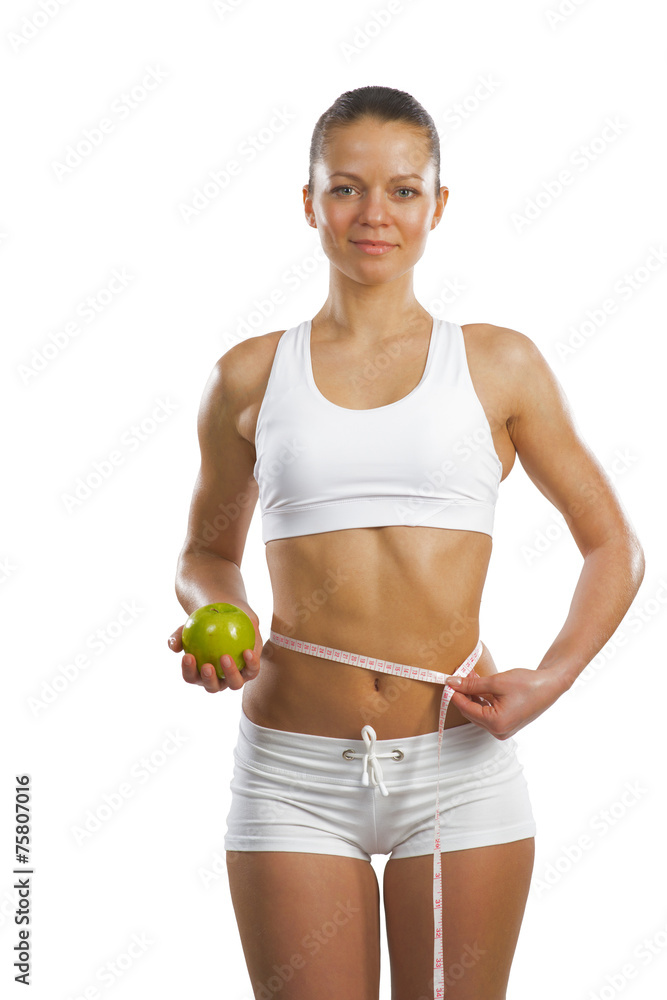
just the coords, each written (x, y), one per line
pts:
(362, 193)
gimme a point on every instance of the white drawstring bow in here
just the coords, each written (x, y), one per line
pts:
(371, 760)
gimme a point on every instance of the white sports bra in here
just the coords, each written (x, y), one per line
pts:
(426, 459)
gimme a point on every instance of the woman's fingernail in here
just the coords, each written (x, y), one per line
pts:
(454, 680)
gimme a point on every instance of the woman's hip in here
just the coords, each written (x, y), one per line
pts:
(466, 751)
(295, 791)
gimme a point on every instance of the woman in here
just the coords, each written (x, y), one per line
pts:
(375, 437)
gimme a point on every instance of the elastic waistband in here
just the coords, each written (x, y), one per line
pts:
(463, 747)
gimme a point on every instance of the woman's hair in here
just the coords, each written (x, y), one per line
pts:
(385, 104)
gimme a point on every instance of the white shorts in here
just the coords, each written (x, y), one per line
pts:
(297, 792)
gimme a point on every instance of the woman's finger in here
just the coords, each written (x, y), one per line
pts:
(210, 680)
(189, 669)
(251, 668)
(175, 640)
(233, 679)
(469, 708)
(473, 684)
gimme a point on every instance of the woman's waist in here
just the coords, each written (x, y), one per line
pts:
(338, 705)
(307, 693)
(430, 643)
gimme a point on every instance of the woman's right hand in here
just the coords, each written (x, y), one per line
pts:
(209, 680)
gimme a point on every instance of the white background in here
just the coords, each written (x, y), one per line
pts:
(194, 288)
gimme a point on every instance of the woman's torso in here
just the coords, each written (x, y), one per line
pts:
(400, 593)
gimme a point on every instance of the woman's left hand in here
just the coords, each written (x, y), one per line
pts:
(513, 698)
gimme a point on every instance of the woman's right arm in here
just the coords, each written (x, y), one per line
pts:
(223, 501)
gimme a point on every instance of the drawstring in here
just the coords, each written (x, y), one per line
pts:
(372, 759)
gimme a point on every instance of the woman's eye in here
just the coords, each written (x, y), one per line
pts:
(348, 187)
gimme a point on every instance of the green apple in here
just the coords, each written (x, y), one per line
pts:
(216, 630)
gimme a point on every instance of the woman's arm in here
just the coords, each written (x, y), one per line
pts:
(223, 501)
(565, 470)
(610, 578)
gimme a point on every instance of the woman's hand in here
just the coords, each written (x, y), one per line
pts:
(209, 680)
(507, 701)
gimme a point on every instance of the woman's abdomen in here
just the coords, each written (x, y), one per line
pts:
(382, 592)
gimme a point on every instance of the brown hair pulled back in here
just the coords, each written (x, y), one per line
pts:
(385, 104)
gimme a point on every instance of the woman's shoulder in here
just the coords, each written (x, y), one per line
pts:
(505, 366)
(507, 350)
(247, 364)
(252, 347)
(497, 338)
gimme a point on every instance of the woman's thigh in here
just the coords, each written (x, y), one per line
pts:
(309, 924)
(484, 897)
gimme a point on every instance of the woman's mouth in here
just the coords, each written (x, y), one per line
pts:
(374, 249)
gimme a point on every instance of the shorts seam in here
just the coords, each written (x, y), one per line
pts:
(487, 838)
(267, 844)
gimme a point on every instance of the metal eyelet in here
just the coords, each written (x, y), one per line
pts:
(347, 754)
(400, 753)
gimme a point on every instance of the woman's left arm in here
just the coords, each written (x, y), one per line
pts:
(564, 469)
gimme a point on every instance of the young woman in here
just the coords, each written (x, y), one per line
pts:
(376, 436)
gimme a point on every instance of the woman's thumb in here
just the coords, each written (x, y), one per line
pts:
(175, 640)
(470, 684)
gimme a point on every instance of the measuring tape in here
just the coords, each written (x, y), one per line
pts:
(417, 674)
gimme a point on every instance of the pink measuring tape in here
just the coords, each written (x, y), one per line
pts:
(417, 674)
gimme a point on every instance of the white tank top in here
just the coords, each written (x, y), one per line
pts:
(426, 459)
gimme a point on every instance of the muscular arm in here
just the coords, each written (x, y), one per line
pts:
(567, 473)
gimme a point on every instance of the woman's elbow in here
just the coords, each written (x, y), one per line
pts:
(634, 556)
